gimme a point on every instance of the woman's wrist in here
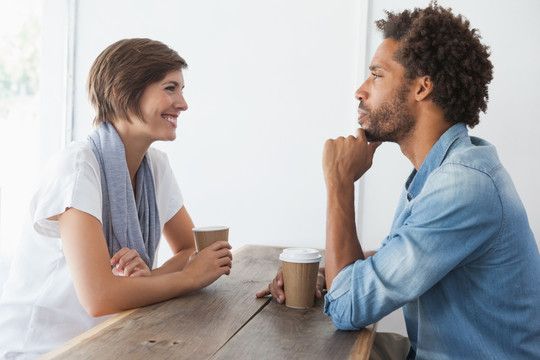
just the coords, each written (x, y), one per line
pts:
(188, 282)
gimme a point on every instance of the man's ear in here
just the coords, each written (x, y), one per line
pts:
(424, 88)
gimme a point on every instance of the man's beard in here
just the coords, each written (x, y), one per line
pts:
(392, 120)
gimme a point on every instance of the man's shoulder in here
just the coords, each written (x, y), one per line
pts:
(475, 154)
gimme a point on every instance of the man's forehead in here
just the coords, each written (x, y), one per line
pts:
(383, 59)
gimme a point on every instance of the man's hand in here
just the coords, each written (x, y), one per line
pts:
(275, 288)
(347, 159)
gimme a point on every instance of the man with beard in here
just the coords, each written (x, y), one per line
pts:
(460, 257)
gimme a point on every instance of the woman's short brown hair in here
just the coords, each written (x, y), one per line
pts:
(122, 71)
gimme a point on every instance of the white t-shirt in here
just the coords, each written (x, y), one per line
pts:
(39, 308)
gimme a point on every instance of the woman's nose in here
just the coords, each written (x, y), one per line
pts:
(180, 103)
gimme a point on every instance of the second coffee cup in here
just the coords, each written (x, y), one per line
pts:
(300, 267)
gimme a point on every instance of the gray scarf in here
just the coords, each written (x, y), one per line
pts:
(128, 220)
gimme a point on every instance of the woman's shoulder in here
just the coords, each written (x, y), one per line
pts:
(76, 155)
(80, 149)
(76, 161)
(71, 179)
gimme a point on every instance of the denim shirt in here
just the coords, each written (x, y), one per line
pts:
(460, 259)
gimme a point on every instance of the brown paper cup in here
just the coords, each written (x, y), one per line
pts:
(207, 235)
(300, 267)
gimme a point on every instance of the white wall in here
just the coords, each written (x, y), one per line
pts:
(267, 84)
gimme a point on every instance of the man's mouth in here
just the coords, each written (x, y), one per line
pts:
(361, 115)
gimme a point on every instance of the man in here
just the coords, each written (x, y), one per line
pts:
(460, 257)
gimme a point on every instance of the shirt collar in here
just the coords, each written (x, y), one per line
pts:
(434, 159)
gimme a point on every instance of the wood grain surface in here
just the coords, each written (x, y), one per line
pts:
(279, 332)
(222, 321)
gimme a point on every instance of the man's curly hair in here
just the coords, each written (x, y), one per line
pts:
(437, 43)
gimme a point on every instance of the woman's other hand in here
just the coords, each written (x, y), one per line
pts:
(128, 262)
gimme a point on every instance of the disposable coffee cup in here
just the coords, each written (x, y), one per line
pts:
(300, 267)
(207, 235)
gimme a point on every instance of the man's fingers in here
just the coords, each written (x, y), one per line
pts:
(263, 293)
(361, 134)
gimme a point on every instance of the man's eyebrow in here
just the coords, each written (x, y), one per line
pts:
(377, 67)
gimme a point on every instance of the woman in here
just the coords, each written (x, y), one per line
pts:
(101, 208)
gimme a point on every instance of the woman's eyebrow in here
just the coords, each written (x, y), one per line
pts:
(175, 83)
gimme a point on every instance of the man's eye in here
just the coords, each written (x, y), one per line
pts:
(375, 76)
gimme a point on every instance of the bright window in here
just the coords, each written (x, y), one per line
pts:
(20, 62)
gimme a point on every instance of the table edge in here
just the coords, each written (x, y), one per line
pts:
(364, 343)
(87, 334)
(101, 326)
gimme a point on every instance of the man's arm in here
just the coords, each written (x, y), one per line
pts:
(345, 160)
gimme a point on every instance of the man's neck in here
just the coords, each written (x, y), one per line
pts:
(430, 126)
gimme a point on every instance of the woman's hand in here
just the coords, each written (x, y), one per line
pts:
(128, 262)
(209, 264)
(275, 288)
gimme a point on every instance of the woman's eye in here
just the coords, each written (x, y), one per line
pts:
(170, 88)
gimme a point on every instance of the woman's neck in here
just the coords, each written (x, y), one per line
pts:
(135, 148)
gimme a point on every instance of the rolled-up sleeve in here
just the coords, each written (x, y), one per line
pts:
(336, 301)
(359, 298)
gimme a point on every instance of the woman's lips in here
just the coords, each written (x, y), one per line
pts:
(170, 118)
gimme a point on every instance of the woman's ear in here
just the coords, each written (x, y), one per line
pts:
(424, 88)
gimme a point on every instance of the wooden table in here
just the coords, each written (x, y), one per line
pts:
(222, 321)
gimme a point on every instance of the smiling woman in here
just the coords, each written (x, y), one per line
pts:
(160, 106)
(103, 203)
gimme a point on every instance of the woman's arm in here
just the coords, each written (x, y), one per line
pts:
(102, 293)
(179, 234)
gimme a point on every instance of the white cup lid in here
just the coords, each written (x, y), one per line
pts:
(300, 255)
